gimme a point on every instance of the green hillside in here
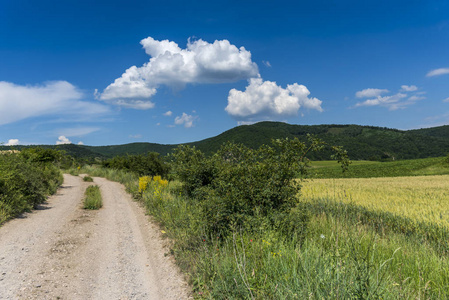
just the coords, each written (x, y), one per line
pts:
(361, 142)
(440, 131)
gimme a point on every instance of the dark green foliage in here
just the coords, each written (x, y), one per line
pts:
(41, 155)
(193, 169)
(25, 181)
(150, 164)
(238, 185)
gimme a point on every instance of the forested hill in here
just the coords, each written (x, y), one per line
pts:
(362, 142)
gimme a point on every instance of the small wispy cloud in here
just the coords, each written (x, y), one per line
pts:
(266, 63)
(438, 72)
(77, 131)
(409, 88)
(396, 101)
(135, 136)
(52, 99)
(446, 100)
(368, 93)
(168, 113)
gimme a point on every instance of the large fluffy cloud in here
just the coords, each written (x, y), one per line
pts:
(18, 102)
(438, 72)
(199, 62)
(265, 100)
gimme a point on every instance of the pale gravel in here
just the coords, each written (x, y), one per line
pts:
(62, 251)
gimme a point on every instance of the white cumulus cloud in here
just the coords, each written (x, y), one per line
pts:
(12, 142)
(265, 100)
(18, 102)
(170, 65)
(368, 93)
(185, 119)
(80, 143)
(409, 88)
(168, 113)
(63, 140)
(437, 72)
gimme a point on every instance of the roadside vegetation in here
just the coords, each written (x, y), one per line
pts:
(266, 224)
(26, 179)
(92, 198)
(242, 226)
(88, 179)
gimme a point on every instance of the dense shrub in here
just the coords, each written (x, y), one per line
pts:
(25, 181)
(150, 164)
(243, 187)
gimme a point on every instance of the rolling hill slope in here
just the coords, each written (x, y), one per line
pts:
(361, 142)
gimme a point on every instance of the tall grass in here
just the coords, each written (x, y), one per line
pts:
(340, 256)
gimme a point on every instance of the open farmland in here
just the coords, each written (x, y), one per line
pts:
(368, 169)
(421, 198)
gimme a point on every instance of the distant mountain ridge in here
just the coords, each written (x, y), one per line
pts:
(361, 142)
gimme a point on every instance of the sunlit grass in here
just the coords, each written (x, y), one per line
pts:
(93, 198)
(421, 198)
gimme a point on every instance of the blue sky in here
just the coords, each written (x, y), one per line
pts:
(115, 72)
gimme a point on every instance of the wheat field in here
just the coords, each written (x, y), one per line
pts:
(420, 198)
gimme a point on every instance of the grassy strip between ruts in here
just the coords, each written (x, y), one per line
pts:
(341, 255)
(93, 198)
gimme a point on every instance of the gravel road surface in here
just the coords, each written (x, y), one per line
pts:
(61, 251)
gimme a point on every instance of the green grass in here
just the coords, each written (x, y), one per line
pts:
(88, 179)
(93, 198)
(366, 169)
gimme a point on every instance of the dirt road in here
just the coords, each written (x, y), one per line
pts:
(62, 251)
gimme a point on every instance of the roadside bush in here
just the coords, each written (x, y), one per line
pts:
(238, 185)
(25, 182)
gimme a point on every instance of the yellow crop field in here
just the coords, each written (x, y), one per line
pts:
(421, 198)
